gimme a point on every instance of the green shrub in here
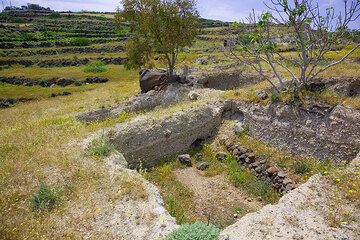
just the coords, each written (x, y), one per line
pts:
(95, 67)
(275, 97)
(101, 147)
(77, 83)
(101, 18)
(45, 199)
(54, 15)
(79, 41)
(28, 37)
(196, 231)
(302, 168)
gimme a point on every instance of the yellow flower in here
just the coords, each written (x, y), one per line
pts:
(351, 191)
(337, 180)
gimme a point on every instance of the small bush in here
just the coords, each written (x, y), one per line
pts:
(196, 231)
(79, 41)
(54, 15)
(302, 168)
(101, 147)
(95, 67)
(77, 83)
(275, 97)
(45, 199)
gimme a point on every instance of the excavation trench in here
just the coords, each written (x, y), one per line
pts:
(148, 139)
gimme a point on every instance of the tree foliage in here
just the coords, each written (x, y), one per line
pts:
(313, 32)
(158, 26)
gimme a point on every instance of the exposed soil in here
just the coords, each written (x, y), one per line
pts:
(216, 197)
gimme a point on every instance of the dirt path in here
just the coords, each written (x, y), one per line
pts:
(217, 196)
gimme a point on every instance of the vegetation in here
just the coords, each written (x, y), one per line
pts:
(196, 231)
(101, 147)
(45, 199)
(246, 180)
(260, 50)
(95, 67)
(178, 198)
(79, 41)
(156, 26)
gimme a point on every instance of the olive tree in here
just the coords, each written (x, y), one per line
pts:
(158, 27)
(312, 33)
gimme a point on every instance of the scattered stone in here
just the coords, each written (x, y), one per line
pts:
(185, 159)
(204, 60)
(221, 156)
(60, 94)
(262, 94)
(238, 128)
(287, 181)
(202, 166)
(281, 174)
(272, 171)
(198, 156)
(193, 96)
(251, 156)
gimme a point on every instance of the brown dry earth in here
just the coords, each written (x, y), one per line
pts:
(216, 197)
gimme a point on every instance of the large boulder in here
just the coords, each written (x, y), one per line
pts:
(151, 78)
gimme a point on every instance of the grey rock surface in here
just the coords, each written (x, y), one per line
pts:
(321, 133)
(300, 214)
(145, 140)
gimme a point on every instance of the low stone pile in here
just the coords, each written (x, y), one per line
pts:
(260, 167)
(63, 82)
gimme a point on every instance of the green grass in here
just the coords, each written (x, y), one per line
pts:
(37, 146)
(178, 198)
(247, 181)
(119, 79)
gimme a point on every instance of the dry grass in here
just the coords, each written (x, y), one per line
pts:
(35, 148)
(177, 197)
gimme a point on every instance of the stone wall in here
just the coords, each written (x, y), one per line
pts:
(260, 167)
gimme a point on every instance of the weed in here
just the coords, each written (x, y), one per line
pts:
(244, 179)
(95, 67)
(238, 209)
(275, 97)
(302, 168)
(101, 147)
(45, 199)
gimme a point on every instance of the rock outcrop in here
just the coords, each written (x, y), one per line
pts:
(313, 131)
(145, 140)
(300, 214)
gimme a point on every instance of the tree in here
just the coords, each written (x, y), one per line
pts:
(158, 26)
(312, 34)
